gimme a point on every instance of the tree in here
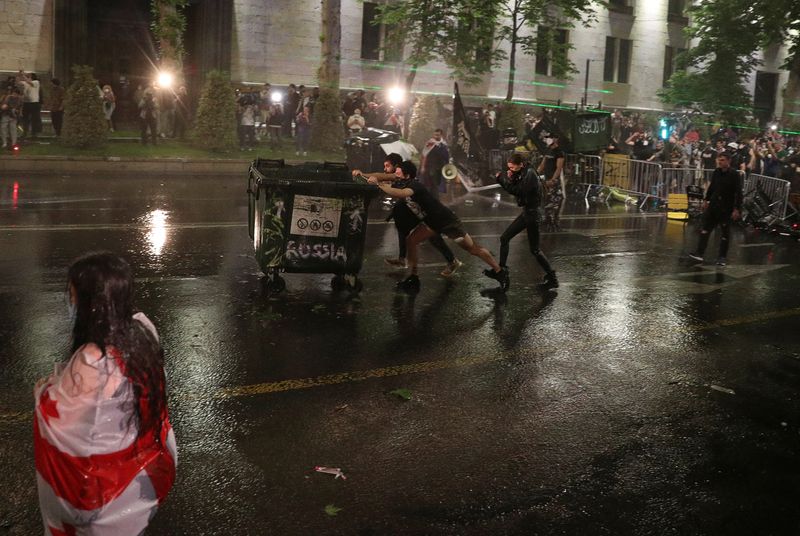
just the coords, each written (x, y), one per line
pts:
(543, 16)
(215, 127)
(327, 130)
(457, 32)
(426, 118)
(466, 34)
(169, 26)
(712, 75)
(84, 122)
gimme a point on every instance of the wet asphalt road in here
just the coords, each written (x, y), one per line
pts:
(649, 395)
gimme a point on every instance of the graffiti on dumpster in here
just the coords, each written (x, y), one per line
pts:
(316, 216)
(354, 213)
(322, 252)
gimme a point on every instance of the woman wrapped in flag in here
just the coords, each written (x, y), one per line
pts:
(105, 451)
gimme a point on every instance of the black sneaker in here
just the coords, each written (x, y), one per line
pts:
(696, 257)
(410, 284)
(550, 281)
(504, 279)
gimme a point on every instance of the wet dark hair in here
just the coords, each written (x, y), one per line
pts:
(516, 159)
(394, 159)
(409, 169)
(103, 285)
(56, 82)
(724, 155)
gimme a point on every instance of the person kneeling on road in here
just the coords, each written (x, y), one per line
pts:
(436, 219)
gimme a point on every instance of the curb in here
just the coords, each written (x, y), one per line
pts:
(113, 164)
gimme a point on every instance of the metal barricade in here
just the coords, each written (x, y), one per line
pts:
(676, 180)
(583, 169)
(777, 190)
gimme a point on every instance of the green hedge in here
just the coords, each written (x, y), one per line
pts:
(215, 126)
(85, 124)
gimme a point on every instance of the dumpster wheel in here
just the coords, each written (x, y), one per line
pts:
(348, 282)
(274, 284)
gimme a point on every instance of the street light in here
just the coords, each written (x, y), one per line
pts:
(586, 84)
(165, 79)
(396, 95)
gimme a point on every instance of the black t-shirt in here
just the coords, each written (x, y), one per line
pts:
(551, 160)
(709, 156)
(429, 209)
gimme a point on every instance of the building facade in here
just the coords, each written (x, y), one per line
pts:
(630, 49)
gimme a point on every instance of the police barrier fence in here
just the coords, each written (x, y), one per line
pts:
(776, 190)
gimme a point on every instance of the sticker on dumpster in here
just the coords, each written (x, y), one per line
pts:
(316, 216)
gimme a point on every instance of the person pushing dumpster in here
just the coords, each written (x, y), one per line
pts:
(435, 219)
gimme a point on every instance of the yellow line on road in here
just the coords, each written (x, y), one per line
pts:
(357, 376)
(400, 370)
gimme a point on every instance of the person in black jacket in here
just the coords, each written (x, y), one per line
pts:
(723, 203)
(523, 183)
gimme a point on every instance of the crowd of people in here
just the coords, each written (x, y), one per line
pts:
(271, 114)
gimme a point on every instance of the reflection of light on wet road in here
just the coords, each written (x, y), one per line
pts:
(157, 230)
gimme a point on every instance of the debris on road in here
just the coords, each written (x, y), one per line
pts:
(331, 471)
(722, 389)
(405, 394)
(332, 509)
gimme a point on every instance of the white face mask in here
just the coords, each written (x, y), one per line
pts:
(72, 311)
(548, 141)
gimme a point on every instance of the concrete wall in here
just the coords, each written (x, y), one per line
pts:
(26, 35)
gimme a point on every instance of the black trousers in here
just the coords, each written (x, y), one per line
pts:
(711, 219)
(527, 221)
(152, 125)
(31, 118)
(57, 118)
(405, 221)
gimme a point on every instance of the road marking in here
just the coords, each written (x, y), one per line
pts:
(400, 370)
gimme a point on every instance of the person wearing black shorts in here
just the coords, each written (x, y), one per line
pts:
(523, 183)
(435, 219)
(405, 221)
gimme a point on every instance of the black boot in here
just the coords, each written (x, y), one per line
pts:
(550, 281)
(410, 284)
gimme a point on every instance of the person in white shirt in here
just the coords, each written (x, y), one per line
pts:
(31, 104)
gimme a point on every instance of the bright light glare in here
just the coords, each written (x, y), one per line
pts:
(773, 126)
(276, 96)
(396, 95)
(165, 79)
(157, 232)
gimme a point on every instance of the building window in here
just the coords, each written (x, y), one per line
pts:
(621, 6)
(550, 47)
(617, 63)
(671, 62)
(374, 37)
(675, 11)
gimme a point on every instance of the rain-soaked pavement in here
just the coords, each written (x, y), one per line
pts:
(649, 395)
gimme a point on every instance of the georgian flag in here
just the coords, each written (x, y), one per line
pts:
(95, 474)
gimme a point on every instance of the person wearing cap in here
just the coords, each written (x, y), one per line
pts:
(435, 219)
(722, 204)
